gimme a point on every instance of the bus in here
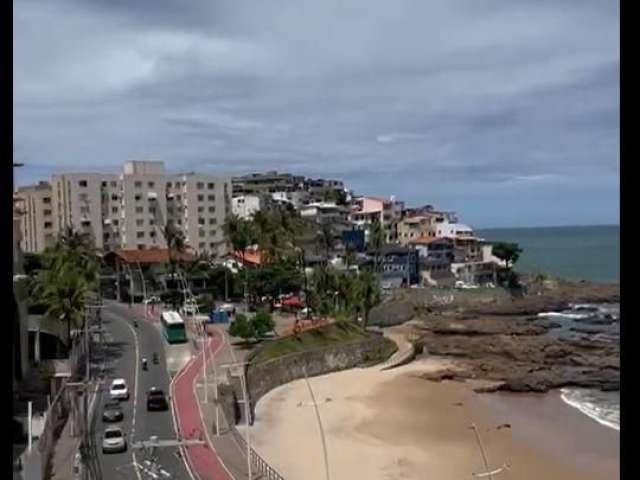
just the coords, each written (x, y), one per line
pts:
(173, 327)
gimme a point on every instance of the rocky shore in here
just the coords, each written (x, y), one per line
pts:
(502, 339)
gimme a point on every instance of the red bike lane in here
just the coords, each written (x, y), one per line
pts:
(203, 460)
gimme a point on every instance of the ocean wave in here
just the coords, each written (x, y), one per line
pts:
(570, 316)
(602, 407)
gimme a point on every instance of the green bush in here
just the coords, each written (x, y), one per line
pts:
(241, 327)
(263, 323)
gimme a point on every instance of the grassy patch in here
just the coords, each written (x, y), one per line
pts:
(333, 334)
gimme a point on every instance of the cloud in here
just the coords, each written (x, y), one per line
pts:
(433, 101)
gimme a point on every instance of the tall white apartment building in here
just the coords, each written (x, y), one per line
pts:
(35, 207)
(131, 210)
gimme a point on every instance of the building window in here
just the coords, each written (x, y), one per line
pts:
(211, 186)
(113, 184)
(201, 221)
(46, 212)
(200, 185)
(201, 233)
(114, 198)
(212, 246)
(139, 222)
(116, 222)
(213, 221)
(84, 209)
(139, 234)
(151, 184)
(212, 198)
(139, 209)
(170, 210)
(152, 234)
(201, 198)
(105, 235)
(83, 197)
(212, 209)
(137, 197)
(48, 225)
(200, 209)
(179, 197)
(140, 246)
(114, 209)
(179, 221)
(104, 184)
(82, 183)
(46, 200)
(137, 184)
(152, 210)
(202, 245)
(212, 233)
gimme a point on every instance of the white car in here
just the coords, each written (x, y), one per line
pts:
(114, 440)
(119, 390)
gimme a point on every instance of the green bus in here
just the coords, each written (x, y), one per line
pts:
(173, 327)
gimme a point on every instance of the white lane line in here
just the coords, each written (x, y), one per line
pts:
(135, 395)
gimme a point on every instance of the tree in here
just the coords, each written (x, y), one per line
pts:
(377, 241)
(262, 323)
(507, 252)
(242, 328)
(176, 242)
(369, 293)
(326, 239)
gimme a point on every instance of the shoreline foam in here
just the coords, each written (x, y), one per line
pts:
(589, 409)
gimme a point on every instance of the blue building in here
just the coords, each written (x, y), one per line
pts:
(354, 239)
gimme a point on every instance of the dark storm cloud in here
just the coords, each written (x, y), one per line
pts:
(471, 105)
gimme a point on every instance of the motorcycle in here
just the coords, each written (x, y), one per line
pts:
(144, 363)
(135, 323)
(155, 358)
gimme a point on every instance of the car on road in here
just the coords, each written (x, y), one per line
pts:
(114, 440)
(112, 412)
(119, 390)
(156, 400)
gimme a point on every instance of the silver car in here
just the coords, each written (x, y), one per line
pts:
(114, 440)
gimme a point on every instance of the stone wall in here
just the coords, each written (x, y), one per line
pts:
(263, 377)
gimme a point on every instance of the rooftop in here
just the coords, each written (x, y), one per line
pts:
(151, 255)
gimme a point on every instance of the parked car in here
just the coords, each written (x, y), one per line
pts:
(112, 412)
(156, 400)
(114, 440)
(119, 390)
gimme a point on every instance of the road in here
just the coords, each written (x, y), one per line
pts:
(125, 347)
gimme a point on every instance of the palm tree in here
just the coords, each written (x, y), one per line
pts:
(63, 290)
(369, 294)
(377, 241)
(175, 240)
(326, 239)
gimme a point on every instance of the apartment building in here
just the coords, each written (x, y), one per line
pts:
(244, 206)
(38, 227)
(131, 210)
(266, 183)
(387, 211)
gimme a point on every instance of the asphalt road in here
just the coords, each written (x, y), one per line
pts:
(125, 347)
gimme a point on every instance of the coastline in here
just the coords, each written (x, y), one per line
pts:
(394, 424)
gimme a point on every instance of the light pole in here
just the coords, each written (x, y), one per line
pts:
(315, 407)
(245, 400)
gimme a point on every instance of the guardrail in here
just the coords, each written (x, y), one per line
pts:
(262, 468)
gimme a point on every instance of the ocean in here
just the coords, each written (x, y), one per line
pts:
(590, 253)
(576, 253)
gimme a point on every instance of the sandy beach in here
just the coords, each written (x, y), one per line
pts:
(394, 425)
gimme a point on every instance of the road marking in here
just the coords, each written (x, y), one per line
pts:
(135, 395)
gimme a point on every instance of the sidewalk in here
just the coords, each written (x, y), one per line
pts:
(203, 459)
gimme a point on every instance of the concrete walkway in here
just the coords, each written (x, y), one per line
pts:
(406, 351)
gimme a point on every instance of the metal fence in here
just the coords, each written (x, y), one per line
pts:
(259, 466)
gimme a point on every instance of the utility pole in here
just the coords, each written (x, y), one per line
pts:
(315, 407)
(245, 401)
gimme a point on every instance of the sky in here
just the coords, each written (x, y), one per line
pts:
(506, 111)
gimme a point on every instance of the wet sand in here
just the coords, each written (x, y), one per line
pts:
(394, 425)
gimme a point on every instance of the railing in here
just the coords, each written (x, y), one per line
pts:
(262, 468)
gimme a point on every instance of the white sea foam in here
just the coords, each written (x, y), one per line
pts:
(594, 405)
(570, 316)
